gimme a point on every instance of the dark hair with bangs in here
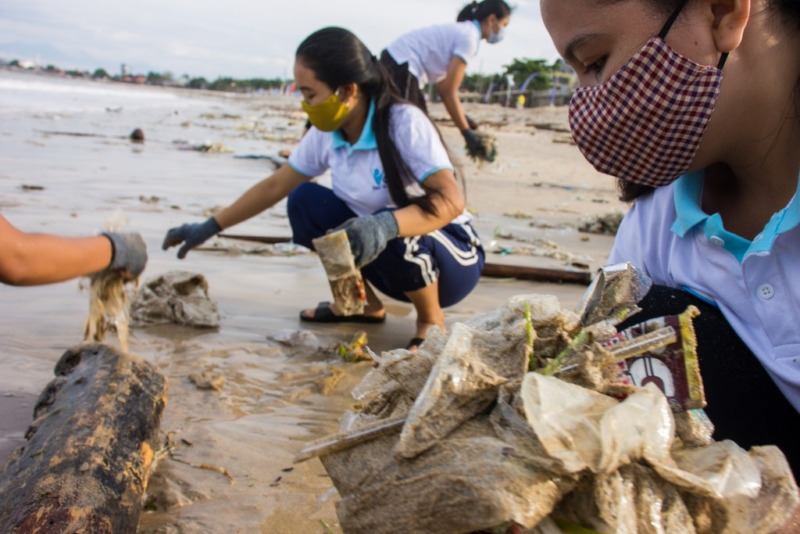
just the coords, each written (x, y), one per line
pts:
(338, 57)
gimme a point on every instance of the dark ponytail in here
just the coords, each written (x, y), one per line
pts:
(338, 57)
(480, 10)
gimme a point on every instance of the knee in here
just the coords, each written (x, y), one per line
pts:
(299, 199)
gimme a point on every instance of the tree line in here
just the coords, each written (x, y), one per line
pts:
(534, 74)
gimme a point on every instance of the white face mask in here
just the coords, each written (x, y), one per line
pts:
(496, 37)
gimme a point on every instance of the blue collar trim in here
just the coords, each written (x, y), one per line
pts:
(687, 194)
(478, 25)
(367, 139)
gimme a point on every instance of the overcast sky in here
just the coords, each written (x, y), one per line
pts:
(238, 38)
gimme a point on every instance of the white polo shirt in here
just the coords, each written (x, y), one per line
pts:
(357, 175)
(756, 284)
(428, 50)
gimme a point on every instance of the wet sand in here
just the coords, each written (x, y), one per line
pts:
(274, 397)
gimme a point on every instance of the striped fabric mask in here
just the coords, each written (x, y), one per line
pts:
(645, 123)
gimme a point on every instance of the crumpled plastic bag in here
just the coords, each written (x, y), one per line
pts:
(175, 297)
(588, 430)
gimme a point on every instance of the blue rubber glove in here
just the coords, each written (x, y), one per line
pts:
(191, 235)
(129, 253)
(369, 235)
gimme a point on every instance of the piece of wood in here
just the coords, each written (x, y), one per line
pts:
(492, 270)
(539, 274)
(270, 240)
(90, 448)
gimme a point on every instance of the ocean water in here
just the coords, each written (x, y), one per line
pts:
(22, 93)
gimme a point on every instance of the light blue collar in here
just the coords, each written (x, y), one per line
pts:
(477, 24)
(688, 192)
(367, 139)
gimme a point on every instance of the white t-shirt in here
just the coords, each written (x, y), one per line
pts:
(357, 175)
(428, 50)
(754, 283)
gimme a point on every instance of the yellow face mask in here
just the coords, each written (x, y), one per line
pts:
(328, 115)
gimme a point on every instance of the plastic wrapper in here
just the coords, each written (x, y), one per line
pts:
(613, 294)
(672, 365)
(347, 285)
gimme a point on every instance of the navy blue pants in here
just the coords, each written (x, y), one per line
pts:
(452, 255)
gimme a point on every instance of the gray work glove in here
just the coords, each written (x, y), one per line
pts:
(191, 235)
(369, 235)
(128, 253)
(471, 122)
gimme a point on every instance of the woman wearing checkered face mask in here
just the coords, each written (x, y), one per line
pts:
(694, 106)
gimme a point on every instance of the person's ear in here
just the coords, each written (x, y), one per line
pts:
(730, 18)
(348, 91)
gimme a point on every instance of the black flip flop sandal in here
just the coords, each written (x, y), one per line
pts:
(324, 314)
(415, 343)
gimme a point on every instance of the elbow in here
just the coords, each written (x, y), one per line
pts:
(453, 207)
(13, 274)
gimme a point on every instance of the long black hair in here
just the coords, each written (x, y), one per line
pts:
(480, 10)
(338, 57)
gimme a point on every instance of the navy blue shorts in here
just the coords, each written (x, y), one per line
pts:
(452, 255)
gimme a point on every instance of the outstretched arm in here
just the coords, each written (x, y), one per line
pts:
(31, 259)
(448, 90)
(261, 196)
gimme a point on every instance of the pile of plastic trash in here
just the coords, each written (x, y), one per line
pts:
(532, 417)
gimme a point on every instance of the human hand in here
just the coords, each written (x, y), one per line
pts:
(471, 122)
(191, 235)
(129, 253)
(369, 235)
(480, 145)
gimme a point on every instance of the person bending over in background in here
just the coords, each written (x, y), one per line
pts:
(439, 55)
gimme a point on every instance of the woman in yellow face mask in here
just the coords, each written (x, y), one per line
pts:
(394, 188)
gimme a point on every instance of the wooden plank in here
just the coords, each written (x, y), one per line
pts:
(270, 240)
(491, 270)
(90, 448)
(538, 274)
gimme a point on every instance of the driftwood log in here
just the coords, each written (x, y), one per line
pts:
(90, 448)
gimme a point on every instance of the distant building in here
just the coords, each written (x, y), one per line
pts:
(123, 70)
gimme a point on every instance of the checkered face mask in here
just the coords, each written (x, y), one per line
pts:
(645, 123)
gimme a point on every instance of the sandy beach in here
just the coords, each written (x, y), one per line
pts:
(67, 167)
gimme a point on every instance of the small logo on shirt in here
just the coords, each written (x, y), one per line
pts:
(379, 177)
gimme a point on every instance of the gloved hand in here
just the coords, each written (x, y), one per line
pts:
(191, 235)
(128, 253)
(471, 122)
(369, 235)
(478, 147)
